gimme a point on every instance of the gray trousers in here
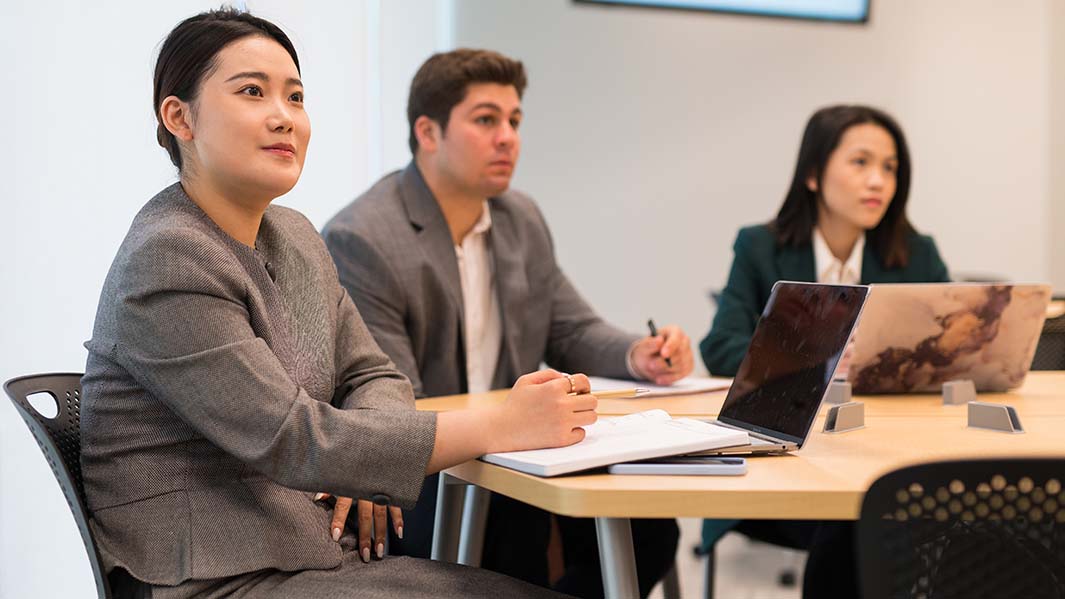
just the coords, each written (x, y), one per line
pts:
(401, 577)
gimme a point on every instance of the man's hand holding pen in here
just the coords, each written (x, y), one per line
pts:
(663, 357)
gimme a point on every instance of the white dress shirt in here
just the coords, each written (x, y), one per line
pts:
(481, 311)
(830, 269)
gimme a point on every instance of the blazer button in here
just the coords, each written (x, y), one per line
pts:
(381, 499)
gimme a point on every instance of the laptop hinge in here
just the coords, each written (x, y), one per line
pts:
(761, 436)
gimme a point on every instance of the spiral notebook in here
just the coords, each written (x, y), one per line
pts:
(638, 436)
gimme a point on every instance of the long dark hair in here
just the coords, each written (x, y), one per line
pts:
(188, 55)
(795, 222)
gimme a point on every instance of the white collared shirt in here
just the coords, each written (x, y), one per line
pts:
(483, 329)
(830, 269)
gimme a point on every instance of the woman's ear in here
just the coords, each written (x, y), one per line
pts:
(811, 183)
(175, 116)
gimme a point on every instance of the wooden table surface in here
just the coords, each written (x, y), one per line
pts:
(826, 479)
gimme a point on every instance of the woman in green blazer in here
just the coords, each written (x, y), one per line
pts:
(850, 189)
(843, 221)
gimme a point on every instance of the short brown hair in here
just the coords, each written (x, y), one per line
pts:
(442, 80)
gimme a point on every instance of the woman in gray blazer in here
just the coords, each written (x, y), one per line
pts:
(230, 376)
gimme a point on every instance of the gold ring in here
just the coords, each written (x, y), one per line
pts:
(572, 385)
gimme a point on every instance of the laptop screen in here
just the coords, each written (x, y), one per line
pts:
(915, 337)
(791, 359)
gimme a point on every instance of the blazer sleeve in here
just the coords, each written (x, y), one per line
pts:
(578, 339)
(937, 268)
(581, 341)
(380, 299)
(184, 332)
(737, 314)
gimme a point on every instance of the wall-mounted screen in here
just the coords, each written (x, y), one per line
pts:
(849, 11)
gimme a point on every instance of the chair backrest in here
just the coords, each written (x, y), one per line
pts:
(60, 440)
(972, 529)
(1050, 352)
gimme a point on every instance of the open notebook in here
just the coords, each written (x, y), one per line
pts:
(689, 385)
(638, 436)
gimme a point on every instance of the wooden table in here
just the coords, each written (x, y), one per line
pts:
(825, 480)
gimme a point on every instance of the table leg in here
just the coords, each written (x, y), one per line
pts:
(474, 519)
(616, 558)
(448, 518)
(671, 583)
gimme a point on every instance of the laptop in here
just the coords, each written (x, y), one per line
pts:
(789, 364)
(914, 337)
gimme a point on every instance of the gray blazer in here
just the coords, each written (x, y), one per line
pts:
(395, 256)
(224, 385)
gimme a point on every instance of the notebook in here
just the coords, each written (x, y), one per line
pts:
(638, 436)
(688, 385)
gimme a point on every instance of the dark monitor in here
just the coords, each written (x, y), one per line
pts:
(846, 11)
(793, 354)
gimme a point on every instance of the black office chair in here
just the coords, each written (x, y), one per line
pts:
(60, 440)
(975, 529)
(1050, 352)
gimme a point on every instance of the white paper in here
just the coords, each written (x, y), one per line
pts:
(636, 436)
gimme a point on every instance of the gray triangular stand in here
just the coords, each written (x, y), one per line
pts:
(957, 393)
(994, 416)
(839, 392)
(845, 417)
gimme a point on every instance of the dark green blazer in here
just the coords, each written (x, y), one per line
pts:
(760, 262)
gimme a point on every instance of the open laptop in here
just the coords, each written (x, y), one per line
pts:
(914, 337)
(789, 364)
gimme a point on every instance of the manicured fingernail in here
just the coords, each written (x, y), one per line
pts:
(380, 550)
(400, 531)
(318, 496)
(336, 534)
(366, 554)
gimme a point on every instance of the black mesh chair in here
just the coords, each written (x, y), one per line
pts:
(977, 529)
(60, 440)
(1050, 353)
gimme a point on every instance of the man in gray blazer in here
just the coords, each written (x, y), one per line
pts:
(456, 278)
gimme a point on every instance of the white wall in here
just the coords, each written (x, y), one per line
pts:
(1056, 190)
(652, 135)
(410, 30)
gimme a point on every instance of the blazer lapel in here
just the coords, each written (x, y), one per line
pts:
(873, 272)
(512, 287)
(796, 263)
(434, 237)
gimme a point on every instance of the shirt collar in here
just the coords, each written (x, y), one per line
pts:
(830, 269)
(485, 222)
(481, 226)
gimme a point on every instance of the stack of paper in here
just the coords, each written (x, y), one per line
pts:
(638, 436)
(688, 385)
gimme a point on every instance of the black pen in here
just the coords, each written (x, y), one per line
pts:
(654, 333)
